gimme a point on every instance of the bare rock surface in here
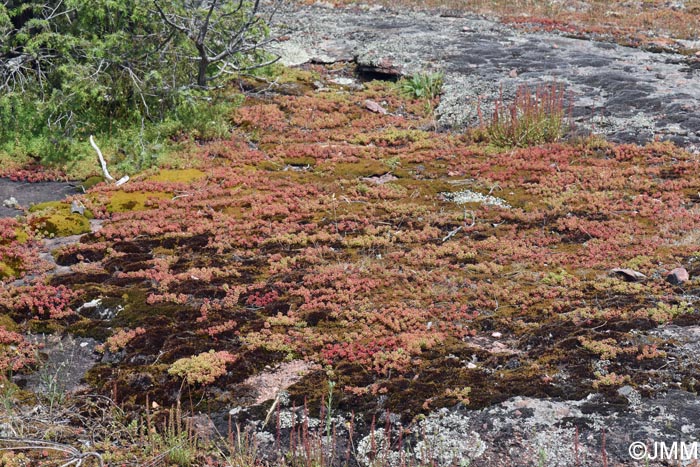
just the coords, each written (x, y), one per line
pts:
(624, 93)
(269, 383)
(65, 360)
(521, 431)
(31, 193)
(524, 431)
(677, 276)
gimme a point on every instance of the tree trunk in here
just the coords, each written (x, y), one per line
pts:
(202, 74)
(203, 65)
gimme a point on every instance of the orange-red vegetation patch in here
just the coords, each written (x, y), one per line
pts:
(296, 244)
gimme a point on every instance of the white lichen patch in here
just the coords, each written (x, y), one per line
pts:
(445, 439)
(289, 419)
(374, 447)
(468, 196)
(448, 440)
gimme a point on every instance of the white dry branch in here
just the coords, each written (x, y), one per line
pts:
(103, 163)
(73, 456)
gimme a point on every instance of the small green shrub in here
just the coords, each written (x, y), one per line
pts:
(422, 85)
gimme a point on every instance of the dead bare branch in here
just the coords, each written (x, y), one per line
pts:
(74, 456)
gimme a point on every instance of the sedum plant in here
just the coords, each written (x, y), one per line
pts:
(203, 368)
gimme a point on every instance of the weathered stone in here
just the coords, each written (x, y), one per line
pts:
(11, 203)
(380, 179)
(26, 194)
(76, 207)
(628, 275)
(378, 65)
(677, 276)
(374, 107)
(520, 431)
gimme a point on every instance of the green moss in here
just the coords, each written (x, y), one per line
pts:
(179, 175)
(54, 218)
(364, 168)
(60, 225)
(49, 205)
(7, 271)
(287, 75)
(54, 206)
(122, 201)
(8, 323)
(300, 161)
(91, 182)
(390, 137)
(22, 236)
(44, 327)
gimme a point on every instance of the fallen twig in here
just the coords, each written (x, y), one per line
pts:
(103, 163)
(75, 457)
(452, 234)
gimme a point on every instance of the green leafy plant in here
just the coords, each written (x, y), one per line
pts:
(531, 119)
(422, 85)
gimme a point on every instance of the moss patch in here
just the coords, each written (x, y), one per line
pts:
(54, 218)
(7, 323)
(177, 175)
(21, 236)
(91, 182)
(7, 271)
(121, 201)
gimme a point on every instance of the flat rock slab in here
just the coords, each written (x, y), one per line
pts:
(27, 194)
(624, 93)
(518, 432)
(65, 360)
(523, 431)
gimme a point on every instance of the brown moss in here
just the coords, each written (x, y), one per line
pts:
(8, 323)
(36, 326)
